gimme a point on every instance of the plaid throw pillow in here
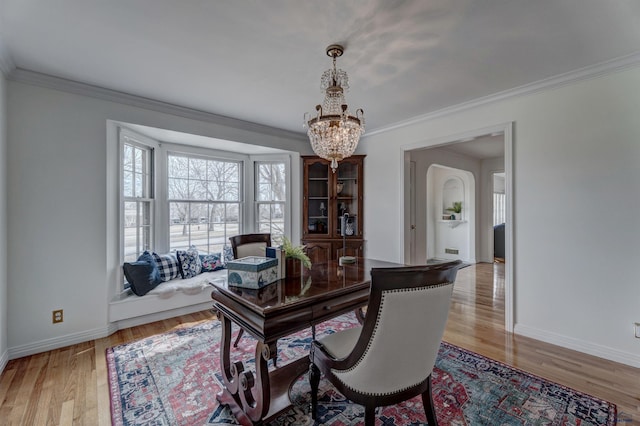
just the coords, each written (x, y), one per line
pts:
(168, 266)
(190, 264)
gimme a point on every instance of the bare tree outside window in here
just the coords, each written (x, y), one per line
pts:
(204, 202)
(271, 197)
(137, 199)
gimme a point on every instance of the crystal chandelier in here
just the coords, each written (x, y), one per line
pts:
(333, 132)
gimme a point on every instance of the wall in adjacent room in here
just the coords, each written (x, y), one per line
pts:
(576, 180)
(57, 192)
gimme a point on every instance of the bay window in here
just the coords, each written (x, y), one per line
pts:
(174, 196)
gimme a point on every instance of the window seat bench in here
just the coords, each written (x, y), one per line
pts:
(171, 298)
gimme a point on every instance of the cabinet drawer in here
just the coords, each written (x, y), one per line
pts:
(340, 305)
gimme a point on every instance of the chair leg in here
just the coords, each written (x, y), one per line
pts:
(240, 333)
(429, 407)
(314, 381)
(370, 415)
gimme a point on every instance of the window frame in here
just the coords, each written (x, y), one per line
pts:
(207, 157)
(127, 137)
(257, 162)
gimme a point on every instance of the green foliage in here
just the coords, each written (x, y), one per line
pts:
(296, 252)
(457, 207)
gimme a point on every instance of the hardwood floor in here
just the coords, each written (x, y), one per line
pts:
(69, 385)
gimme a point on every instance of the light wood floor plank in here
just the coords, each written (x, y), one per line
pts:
(69, 386)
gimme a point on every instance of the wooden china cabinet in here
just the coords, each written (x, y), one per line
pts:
(329, 199)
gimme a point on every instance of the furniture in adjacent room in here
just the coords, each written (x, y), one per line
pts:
(498, 241)
(389, 359)
(272, 312)
(332, 205)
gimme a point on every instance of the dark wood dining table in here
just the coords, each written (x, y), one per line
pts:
(274, 311)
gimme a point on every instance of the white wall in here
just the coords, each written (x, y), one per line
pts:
(57, 191)
(576, 176)
(4, 348)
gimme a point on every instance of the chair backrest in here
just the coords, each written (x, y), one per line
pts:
(406, 316)
(250, 245)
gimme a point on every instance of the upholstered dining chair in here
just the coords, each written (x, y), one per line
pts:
(249, 245)
(389, 359)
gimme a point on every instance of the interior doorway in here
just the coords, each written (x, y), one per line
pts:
(481, 153)
(451, 209)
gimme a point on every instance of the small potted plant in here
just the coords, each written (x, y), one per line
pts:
(456, 210)
(295, 258)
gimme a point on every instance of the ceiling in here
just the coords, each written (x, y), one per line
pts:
(261, 61)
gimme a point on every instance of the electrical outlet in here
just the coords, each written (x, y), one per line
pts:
(636, 326)
(57, 316)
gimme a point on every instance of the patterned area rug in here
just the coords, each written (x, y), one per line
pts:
(172, 379)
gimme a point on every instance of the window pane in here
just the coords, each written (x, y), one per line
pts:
(145, 213)
(127, 184)
(197, 168)
(138, 185)
(264, 213)
(197, 189)
(138, 160)
(264, 173)
(178, 189)
(232, 192)
(130, 244)
(271, 197)
(264, 192)
(127, 158)
(177, 166)
(279, 183)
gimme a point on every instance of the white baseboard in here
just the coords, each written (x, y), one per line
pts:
(97, 333)
(579, 345)
(159, 316)
(59, 342)
(4, 359)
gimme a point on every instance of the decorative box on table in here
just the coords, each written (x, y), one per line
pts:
(252, 271)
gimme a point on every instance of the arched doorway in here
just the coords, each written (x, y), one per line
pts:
(451, 214)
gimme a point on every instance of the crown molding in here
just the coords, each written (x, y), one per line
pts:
(6, 63)
(592, 71)
(21, 75)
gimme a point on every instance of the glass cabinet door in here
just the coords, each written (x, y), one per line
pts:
(347, 198)
(317, 199)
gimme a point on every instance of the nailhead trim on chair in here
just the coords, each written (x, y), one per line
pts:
(373, 335)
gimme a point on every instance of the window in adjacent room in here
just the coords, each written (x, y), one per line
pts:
(499, 199)
(204, 202)
(271, 198)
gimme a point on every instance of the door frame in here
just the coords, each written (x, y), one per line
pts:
(510, 264)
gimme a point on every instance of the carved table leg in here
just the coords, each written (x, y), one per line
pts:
(230, 372)
(248, 396)
(255, 392)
